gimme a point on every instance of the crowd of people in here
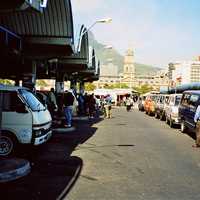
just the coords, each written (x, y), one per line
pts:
(86, 104)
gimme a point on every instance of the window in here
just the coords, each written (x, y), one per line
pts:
(32, 100)
(177, 100)
(193, 99)
(185, 99)
(10, 100)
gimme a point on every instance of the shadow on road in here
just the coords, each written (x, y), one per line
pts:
(54, 171)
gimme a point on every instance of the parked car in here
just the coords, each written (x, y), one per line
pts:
(160, 106)
(149, 104)
(141, 101)
(171, 109)
(25, 119)
(189, 102)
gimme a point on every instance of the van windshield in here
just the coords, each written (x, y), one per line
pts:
(32, 100)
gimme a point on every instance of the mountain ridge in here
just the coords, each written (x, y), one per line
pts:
(105, 56)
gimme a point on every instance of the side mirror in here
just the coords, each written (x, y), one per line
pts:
(21, 108)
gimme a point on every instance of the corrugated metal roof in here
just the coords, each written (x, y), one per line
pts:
(55, 21)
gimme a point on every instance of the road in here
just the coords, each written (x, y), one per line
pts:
(134, 156)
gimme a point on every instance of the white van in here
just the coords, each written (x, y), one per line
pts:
(25, 119)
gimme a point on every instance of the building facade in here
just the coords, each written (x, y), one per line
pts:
(129, 69)
(184, 72)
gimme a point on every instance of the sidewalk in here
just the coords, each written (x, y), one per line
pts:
(13, 168)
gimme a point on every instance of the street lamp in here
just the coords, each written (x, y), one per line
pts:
(106, 20)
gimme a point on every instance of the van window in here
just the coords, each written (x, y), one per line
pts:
(10, 100)
(193, 99)
(185, 99)
(32, 101)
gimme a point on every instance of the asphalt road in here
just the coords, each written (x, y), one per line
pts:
(133, 156)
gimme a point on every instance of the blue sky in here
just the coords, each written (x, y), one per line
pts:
(159, 31)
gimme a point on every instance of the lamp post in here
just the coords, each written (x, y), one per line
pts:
(106, 20)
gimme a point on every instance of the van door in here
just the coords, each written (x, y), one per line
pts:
(15, 120)
(192, 109)
(184, 108)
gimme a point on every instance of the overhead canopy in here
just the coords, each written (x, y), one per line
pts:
(10, 5)
(92, 73)
(45, 35)
(80, 60)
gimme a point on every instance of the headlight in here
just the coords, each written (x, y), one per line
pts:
(38, 133)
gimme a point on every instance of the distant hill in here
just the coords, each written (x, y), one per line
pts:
(106, 55)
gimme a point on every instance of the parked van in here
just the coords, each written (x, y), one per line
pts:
(160, 106)
(25, 119)
(149, 104)
(189, 102)
(171, 109)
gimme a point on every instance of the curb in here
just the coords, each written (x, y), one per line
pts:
(63, 130)
(12, 169)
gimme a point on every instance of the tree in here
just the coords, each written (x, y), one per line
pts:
(90, 87)
(143, 89)
(6, 82)
(42, 83)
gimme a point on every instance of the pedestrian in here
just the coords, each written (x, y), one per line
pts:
(108, 106)
(80, 104)
(91, 105)
(129, 103)
(197, 121)
(68, 108)
(52, 103)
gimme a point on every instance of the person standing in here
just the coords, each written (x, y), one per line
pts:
(129, 103)
(68, 107)
(52, 103)
(91, 105)
(108, 106)
(197, 121)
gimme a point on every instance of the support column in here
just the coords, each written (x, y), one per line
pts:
(59, 89)
(29, 79)
(73, 85)
(82, 87)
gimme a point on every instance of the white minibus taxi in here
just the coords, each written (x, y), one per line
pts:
(25, 119)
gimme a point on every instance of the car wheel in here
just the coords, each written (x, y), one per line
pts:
(7, 145)
(183, 127)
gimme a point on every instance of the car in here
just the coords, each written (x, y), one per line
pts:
(188, 105)
(160, 105)
(171, 109)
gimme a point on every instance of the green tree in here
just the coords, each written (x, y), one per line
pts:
(41, 83)
(6, 82)
(90, 87)
(143, 89)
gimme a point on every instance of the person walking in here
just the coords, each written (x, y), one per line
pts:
(68, 108)
(108, 106)
(129, 103)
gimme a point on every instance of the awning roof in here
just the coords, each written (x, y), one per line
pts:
(47, 34)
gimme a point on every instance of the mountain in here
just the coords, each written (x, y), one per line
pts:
(106, 55)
